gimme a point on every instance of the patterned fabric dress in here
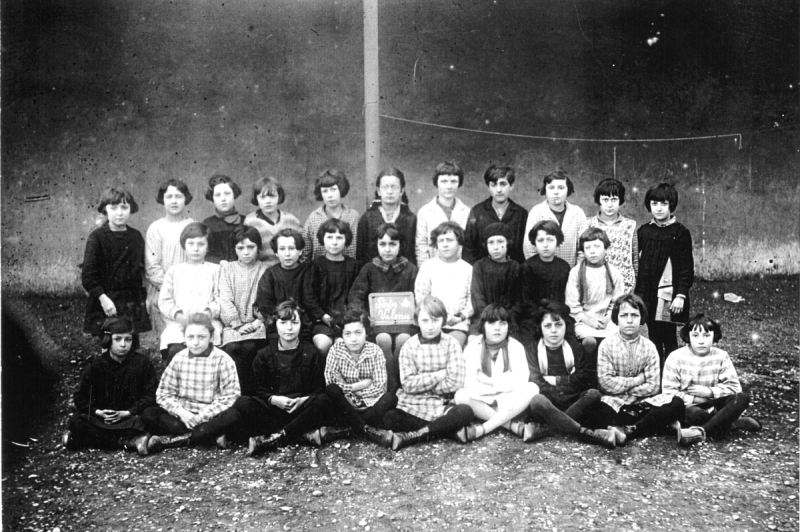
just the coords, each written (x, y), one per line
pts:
(238, 285)
(624, 250)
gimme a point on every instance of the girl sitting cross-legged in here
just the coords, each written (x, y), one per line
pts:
(496, 387)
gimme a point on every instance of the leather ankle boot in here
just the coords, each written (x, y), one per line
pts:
(381, 437)
(604, 437)
(159, 443)
(533, 431)
(262, 444)
(329, 434)
(404, 439)
(136, 443)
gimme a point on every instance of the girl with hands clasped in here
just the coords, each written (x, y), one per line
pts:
(113, 266)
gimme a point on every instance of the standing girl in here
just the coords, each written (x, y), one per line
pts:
(162, 246)
(221, 244)
(113, 266)
(392, 207)
(666, 268)
(268, 218)
(557, 187)
(330, 188)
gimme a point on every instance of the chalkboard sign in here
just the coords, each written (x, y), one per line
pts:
(392, 309)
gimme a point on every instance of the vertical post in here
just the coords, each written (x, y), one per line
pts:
(615, 162)
(372, 126)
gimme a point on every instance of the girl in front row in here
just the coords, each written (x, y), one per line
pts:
(703, 376)
(113, 266)
(496, 387)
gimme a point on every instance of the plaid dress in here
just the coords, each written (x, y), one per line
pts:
(238, 285)
(317, 217)
(715, 370)
(422, 394)
(621, 364)
(574, 224)
(343, 371)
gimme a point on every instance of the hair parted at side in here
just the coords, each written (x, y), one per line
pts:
(663, 192)
(247, 232)
(219, 179)
(391, 172)
(448, 168)
(493, 174)
(115, 196)
(118, 325)
(447, 227)
(594, 233)
(391, 230)
(286, 310)
(557, 175)
(288, 232)
(610, 187)
(268, 186)
(433, 306)
(550, 227)
(178, 184)
(703, 322)
(331, 177)
(193, 230)
(631, 300)
(557, 311)
(334, 225)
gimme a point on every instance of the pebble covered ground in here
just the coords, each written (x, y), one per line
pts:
(746, 482)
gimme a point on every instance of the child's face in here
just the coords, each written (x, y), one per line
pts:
(447, 185)
(556, 192)
(197, 338)
(390, 190)
(118, 214)
(289, 330)
(196, 248)
(331, 196)
(701, 340)
(247, 252)
(174, 201)
(121, 344)
(594, 251)
(334, 243)
(354, 336)
(495, 331)
(388, 249)
(287, 252)
(223, 197)
(500, 190)
(497, 246)
(429, 327)
(554, 328)
(660, 210)
(630, 321)
(546, 245)
(267, 203)
(447, 244)
(609, 206)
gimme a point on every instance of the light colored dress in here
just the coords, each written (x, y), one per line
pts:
(574, 225)
(238, 286)
(162, 249)
(596, 301)
(189, 288)
(268, 231)
(514, 378)
(429, 217)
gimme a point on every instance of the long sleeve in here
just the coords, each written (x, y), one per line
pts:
(363, 243)
(153, 266)
(261, 376)
(671, 382)
(608, 379)
(423, 234)
(147, 397)
(652, 379)
(227, 393)
(166, 299)
(477, 289)
(682, 263)
(414, 380)
(456, 371)
(422, 285)
(359, 292)
(635, 254)
(472, 238)
(312, 290)
(528, 249)
(572, 297)
(310, 239)
(167, 392)
(265, 296)
(228, 312)
(84, 394)
(91, 277)
(213, 304)
(536, 376)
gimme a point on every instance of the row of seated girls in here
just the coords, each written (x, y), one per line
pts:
(279, 300)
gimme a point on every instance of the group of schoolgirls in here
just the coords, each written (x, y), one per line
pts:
(523, 320)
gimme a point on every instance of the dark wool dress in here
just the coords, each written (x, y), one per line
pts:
(113, 264)
(482, 215)
(221, 240)
(498, 283)
(278, 285)
(657, 244)
(378, 277)
(569, 386)
(372, 219)
(330, 286)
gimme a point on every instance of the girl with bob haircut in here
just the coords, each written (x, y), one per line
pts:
(623, 253)
(391, 207)
(244, 332)
(267, 195)
(331, 187)
(113, 266)
(566, 377)
(703, 376)
(447, 178)
(557, 187)
(162, 246)
(666, 268)
(431, 372)
(496, 386)
(114, 390)
(222, 191)
(386, 272)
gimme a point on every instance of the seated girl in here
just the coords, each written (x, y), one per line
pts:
(566, 377)
(114, 390)
(355, 373)
(267, 195)
(244, 333)
(629, 376)
(388, 272)
(703, 376)
(449, 278)
(431, 372)
(496, 387)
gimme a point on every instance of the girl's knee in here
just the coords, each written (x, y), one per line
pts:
(322, 343)
(462, 397)
(537, 402)
(592, 395)
(384, 341)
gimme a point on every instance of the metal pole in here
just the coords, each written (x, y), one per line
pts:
(372, 126)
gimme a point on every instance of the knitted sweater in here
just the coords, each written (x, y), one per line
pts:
(683, 369)
(429, 217)
(452, 283)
